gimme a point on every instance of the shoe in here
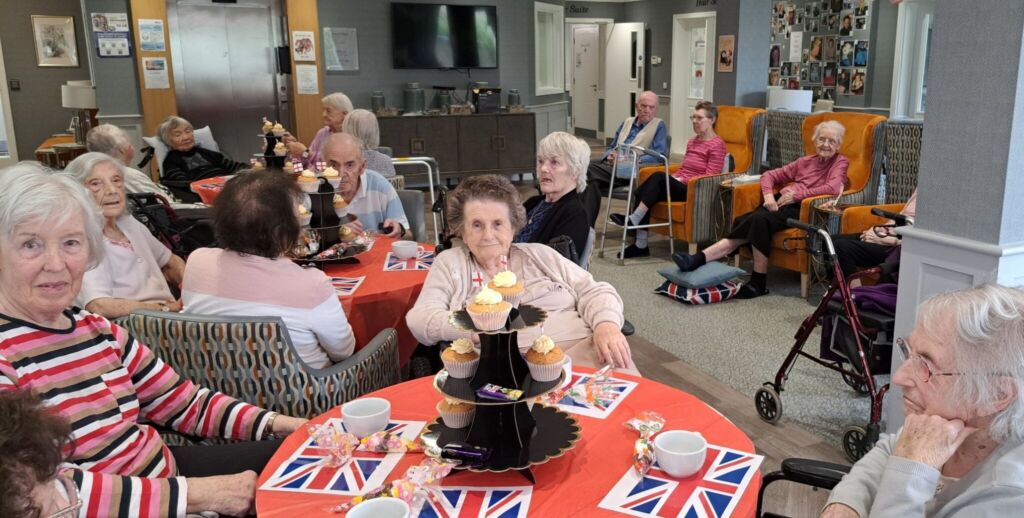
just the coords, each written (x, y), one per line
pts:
(618, 219)
(749, 292)
(634, 251)
(684, 261)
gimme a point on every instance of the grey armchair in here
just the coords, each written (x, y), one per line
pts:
(253, 359)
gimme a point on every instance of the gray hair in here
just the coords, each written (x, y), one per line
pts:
(30, 192)
(988, 338)
(362, 124)
(109, 139)
(168, 125)
(574, 150)
(832, 125)
(80, 169)
(338, 101)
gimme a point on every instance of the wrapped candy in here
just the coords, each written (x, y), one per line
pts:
(338, 443)
(388, 442)
(597, 392)
(421, 478)
(647, 424)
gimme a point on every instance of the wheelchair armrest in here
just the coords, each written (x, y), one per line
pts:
(814, 472)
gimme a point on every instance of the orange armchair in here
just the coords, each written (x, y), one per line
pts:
(862, 139)
(693, 219)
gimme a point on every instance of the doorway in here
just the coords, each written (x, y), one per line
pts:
(586, 55)
(8, 147)
(693, 74)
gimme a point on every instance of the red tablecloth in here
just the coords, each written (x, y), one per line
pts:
(383, 299)
(209, 188)
(570, 485)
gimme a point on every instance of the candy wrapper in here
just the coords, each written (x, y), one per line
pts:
(387, 442)
(647, 424)
(597, 392)
(338, 443)
(422, 478)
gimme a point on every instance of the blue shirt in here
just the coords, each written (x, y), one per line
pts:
(375, 201)
(659, 143)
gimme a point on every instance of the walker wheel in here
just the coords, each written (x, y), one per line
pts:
(855, 442)
(859, 385)
(768, 403)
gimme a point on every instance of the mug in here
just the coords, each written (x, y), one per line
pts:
(567, 367)
(680, 453)
(365, 416)
(380, 507)
(406, 249)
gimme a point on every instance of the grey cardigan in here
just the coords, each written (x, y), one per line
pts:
(894, 486)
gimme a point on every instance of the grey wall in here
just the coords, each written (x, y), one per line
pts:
(117, 85)
(751, 69)
(35, 109)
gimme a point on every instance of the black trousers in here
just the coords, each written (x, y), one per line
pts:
(599, 173)
(653, 191)
(223, 459)
(853, 253)
(757, 227)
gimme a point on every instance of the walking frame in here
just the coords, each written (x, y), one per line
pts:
(634, 153)
(432, 170)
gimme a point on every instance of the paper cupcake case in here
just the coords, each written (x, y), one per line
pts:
(461, 370)
(490, 320)
(456, 419)
(544, 371)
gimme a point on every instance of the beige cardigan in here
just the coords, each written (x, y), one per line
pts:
(575, 302)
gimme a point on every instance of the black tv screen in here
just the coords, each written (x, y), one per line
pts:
(444, 36)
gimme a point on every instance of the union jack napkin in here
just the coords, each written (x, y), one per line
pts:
(496, 502)
(346, 286)
(422, 261)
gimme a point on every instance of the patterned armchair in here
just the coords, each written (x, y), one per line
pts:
(859, 146)
(694, 218)
(253, 359)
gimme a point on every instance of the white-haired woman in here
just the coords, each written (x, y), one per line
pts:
(562, 161)
(112, 140)
(821, 173)
(336, 107)
(186, 161)
(960, 451)
(136, 267)
(362, 124)
(110, 388)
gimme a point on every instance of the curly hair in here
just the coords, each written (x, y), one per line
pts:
(489, 187)
(255, 214)
(32, 439)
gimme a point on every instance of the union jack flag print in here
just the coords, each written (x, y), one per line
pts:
(713, 492)
(307, 470)
(700, 296)
(346, 286)
(422, 261)
(477, 502)
(619, 389)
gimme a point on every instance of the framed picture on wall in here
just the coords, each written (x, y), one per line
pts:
(726, 52)
(55, 41)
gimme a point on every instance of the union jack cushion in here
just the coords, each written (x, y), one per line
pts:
(709, 295)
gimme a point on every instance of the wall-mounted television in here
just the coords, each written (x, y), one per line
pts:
(444, 36)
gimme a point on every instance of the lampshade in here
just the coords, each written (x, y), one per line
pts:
(78, 96)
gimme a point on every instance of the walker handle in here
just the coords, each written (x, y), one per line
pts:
(795, 223)
(897, 218)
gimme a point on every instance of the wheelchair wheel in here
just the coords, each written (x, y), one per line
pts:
(858, 385)
(768, 403)
(855, 442)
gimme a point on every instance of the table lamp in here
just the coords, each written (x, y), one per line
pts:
(80, 96)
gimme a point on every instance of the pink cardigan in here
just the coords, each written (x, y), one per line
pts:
(807, 176)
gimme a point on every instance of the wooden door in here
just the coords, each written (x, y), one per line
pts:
(397, 133)
(478, 143)
(438, 138)
(517, 142)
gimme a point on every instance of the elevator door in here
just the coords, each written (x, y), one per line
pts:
(225, 69)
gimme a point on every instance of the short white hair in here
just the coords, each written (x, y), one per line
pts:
(168, 125)
(362, 124)
(574, 150)
(338, 101)
(80, 169)
(29, 192)
(109, 139)
(835, 126)
(987, 346)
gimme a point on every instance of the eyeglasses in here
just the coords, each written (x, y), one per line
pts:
(918, 365)
(74, 502)
(696, 118)
(825, 140)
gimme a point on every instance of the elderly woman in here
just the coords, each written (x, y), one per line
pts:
(362, 124)
(335, 107)
(256, 224)
(819, 174)
(112, 140)
(136, 267)
(584, 316)
(705, 155)
(562, 161)
(108, 386)
(186, 162)
(960, 451)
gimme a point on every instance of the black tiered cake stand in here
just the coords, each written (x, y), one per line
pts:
(517, 435)
(269, 156)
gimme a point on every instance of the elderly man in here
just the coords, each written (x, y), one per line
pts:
(643, 130)
(113, 141)
(370, 196)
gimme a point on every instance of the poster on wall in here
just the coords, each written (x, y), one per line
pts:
(109, 22)
(341, 49)
(796, 41)
(306, 80)
(154, 74)
(726, 52)
(151, 35)
(860, 54)
(857, 81)
(303, 48)
(113, 45)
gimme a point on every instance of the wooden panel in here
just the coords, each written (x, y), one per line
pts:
(476, 143)
(157, 105)
(397, 133)
(306, 109)
(440, 140)
(517, 141)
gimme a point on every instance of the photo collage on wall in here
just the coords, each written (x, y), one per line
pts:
(820, 45)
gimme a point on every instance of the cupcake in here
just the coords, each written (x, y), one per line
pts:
(289, 167)
(278, 130)
(346, 233)
(510, 288)
(304, 215)
(308, 182)
(255, 164)
(331, 175)
(280, 149)
(544, 359)
(461, 359)
(488, 311)
(455, 413)
(267, 126)
(340, 206)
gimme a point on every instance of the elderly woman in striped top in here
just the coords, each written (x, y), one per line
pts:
(103, 382)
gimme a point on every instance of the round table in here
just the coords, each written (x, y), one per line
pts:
(209, 188)
(592, 479)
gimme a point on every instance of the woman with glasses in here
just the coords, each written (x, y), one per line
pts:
(823, 173)
(960, 451)
(705, 154)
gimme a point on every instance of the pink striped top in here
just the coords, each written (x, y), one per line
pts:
(703, 157)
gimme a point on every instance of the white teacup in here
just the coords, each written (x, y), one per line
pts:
(680, 453)
(365, 416)
(380, 507)
(406, 249)
(567, 368)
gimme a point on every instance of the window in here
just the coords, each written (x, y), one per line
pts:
(548, 40)
(910, 68)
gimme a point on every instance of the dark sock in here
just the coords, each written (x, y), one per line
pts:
(758, 280)
(699, 259)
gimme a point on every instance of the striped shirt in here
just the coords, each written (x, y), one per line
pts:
(106, 384)
(703, 157)
(375, 201)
